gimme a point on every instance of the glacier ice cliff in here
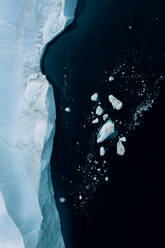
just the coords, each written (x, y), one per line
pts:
(28, 214)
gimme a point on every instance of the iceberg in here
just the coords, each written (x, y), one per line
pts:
(120, 146)
(99, 110)
(106, 131)
(116, 104)
(95, 97)
(102, 151)
(27, 122)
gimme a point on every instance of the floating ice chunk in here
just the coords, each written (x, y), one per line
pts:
(95, 97)
(102, 151)
(62, 199)
(95, 121)
(107, 130)
(67, 109)
(111, 78)
(106, 179)
(80, 197)
(105, 117)
(99, 110)
(120, 148)
(116, 104)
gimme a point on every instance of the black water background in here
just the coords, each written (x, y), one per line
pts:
(130, 211)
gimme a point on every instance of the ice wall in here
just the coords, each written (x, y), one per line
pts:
(27, 121)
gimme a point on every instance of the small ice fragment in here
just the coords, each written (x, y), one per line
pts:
(67, 109)
(95, 121)
(94, 178)
(111, 78)
(130, 27)
(123, 139)
(105, 117)
(95, 97)
(99, 110)
(62, 199)
(80, 197)
(120, 148)
(116, 104)
(106, 179)
(106, 131)
(102, 151)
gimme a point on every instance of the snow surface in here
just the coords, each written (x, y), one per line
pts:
(9, 233)
(27, 123)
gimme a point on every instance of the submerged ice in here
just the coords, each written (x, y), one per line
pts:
(27, 122)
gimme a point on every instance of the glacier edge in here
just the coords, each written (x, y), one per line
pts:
(29, 120)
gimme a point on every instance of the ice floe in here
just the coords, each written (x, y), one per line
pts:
(106, 131)
(116, 104)
(95, 121)
(111, 78)
(120, 146)
(102, 151)
(95, 97)
(99, 110)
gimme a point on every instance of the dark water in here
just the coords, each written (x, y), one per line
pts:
(109, 38)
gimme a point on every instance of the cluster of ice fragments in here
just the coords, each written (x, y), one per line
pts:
(28, 214)
(107, 130)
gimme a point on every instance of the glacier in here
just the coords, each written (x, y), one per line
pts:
(28, 213)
